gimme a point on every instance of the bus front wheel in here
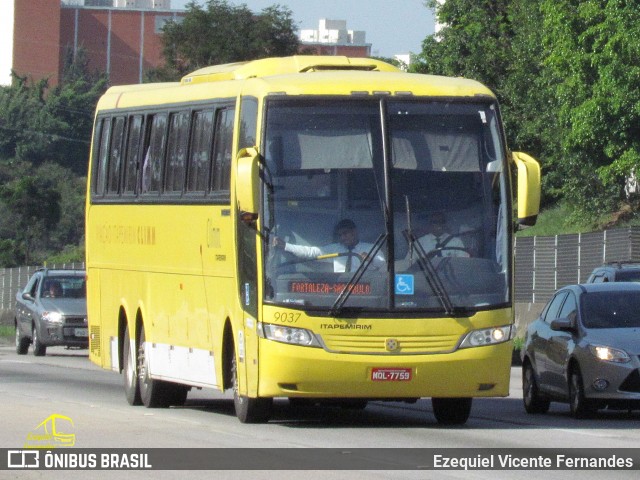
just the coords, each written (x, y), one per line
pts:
(248, 410)
(451, 411)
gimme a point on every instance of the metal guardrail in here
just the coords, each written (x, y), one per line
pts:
(545, 264)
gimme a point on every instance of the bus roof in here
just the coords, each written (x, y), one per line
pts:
(283, 65)
(296, 75)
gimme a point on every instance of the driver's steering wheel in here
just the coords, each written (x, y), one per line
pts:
(436, 251)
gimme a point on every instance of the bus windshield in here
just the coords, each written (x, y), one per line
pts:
(385, 205)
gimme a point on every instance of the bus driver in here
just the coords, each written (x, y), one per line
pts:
(351, 252)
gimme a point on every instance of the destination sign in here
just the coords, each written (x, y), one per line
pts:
(328, 288)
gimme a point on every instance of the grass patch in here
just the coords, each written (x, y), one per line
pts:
(560, 219)
(555, 221)
(518, 343)
(7, 331)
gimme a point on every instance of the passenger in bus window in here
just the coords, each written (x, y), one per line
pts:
(346, 254)
(438, 242)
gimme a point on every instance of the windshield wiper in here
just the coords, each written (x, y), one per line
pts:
(357, 275)
(430, 273)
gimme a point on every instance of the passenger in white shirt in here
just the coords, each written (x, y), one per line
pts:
(439, 241)
(349, 252)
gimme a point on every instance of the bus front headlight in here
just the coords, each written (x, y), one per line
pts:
(487, 336)
(291, 335)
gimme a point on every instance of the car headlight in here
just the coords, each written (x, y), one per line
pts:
(487, 336)
(609, 354)
(291, 335)
(52, 317)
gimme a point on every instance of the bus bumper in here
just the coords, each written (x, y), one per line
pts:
(294, 371)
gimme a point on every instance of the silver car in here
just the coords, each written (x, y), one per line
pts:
(52, 310)
(584, 349)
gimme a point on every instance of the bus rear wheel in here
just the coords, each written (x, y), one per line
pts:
(248, 410)
(130, 372)
(451, 411)
(156, 393)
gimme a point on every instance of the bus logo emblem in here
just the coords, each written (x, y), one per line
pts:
(391, 344)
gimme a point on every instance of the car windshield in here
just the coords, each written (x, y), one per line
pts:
(63, 287)
(611, 309)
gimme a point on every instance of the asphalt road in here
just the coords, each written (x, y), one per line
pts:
(66, 383)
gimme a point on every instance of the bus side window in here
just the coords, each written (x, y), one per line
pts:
(115, 156)
(103, 158)
(222, 144)
(176, 152)
(134, 140)
(201, 138)
(154, 155)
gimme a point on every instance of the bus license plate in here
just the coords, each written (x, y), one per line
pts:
(379, 374)
(82, 332)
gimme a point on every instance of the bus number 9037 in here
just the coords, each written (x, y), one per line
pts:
(286, 317)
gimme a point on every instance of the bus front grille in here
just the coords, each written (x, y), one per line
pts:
(407, 345)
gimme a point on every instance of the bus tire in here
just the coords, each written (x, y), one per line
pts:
(153, 393)
(451, 411)
(248, 410)
(130, 372)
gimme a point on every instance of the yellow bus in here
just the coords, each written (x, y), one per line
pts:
(264, 227)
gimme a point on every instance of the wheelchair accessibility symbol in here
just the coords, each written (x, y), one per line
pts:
(404, 284)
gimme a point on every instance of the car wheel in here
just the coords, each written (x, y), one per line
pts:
(22, 343)
(451, 411)
(533, 401)
(580, 406)
(39, 350)
(248, 410)
(130, 372)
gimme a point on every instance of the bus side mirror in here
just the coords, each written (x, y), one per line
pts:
(528, 188)
(247, 185)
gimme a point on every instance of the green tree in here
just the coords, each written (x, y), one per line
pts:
(44, 149)
(72, 102)
(593, 63)
(475, 41)
(219, 33)
(40, 124)
(32, 209)
(567, 76)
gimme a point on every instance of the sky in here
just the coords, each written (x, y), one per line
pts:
(391, 26)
